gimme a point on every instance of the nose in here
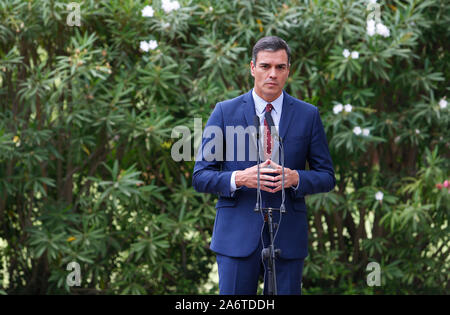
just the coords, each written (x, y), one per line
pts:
(273, 73)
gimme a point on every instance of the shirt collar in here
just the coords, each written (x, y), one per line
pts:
(260, 103)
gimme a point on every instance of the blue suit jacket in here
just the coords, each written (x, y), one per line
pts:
(237, 227)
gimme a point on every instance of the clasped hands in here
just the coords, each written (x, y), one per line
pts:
(269, 183)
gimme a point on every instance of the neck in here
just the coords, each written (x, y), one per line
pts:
(267, 98)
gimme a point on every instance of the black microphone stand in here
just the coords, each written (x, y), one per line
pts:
(270, 253)
(258, 160)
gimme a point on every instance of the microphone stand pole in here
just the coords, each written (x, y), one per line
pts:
(270, 252)
(258, 160)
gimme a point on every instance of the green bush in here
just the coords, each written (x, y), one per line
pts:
(87, 113)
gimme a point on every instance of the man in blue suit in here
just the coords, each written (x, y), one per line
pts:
(239, 232)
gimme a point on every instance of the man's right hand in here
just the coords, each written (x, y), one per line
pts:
(249, 177)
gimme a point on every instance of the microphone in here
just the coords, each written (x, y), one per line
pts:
(258, 190)
(256, 124)
(271, 124)
(274, 133)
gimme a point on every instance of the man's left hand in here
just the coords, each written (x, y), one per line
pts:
(290, 177)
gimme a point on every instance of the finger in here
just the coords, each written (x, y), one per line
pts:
(279, 186)
(274, 171)
(280, 177)
(265, 163)
(268, 189)
(261, 165)
(267, 177)
(265, 183)
(276, 189)
(268, 170)
(270, 184)
(263, 178)
(274, 164)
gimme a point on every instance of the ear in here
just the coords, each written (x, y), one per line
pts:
(252, 68)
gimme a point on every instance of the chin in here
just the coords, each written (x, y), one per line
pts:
(274, 91)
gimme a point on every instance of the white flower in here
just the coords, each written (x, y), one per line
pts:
(346, 53)
(379, 196)
(16, 139)
(144, 46)
(175, 5)
(417, 131)
(442, 103)
(210, 8)
(348, 108)
(372, 1)
(147, 11)
(337, 108)
(370, 27)
(355, 55)
(366, 132)
(382, 30)
(377, 28)
(169, 5)
(152, 44)
(357, 130)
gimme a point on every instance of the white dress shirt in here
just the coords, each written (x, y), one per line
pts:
(260, 109)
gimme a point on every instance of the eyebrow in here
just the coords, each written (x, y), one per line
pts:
(268, 64)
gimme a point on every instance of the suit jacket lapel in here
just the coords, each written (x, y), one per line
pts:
(286, 114)
(248, 108)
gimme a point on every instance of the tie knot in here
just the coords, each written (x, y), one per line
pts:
(269, 108)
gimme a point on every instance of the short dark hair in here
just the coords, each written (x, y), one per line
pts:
(272, 43)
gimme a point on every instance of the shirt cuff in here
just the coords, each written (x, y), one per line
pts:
(233, 187)
(233, 182)
(298, 184)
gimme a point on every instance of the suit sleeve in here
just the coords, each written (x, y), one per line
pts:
(208, 176)
(320, 178)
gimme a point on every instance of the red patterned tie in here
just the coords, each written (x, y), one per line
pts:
(267, 135)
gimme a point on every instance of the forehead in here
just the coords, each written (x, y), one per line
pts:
(272, 57)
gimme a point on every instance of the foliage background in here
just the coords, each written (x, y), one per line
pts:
(86, 117)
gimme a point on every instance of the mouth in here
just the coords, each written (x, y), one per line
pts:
(271, 83)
